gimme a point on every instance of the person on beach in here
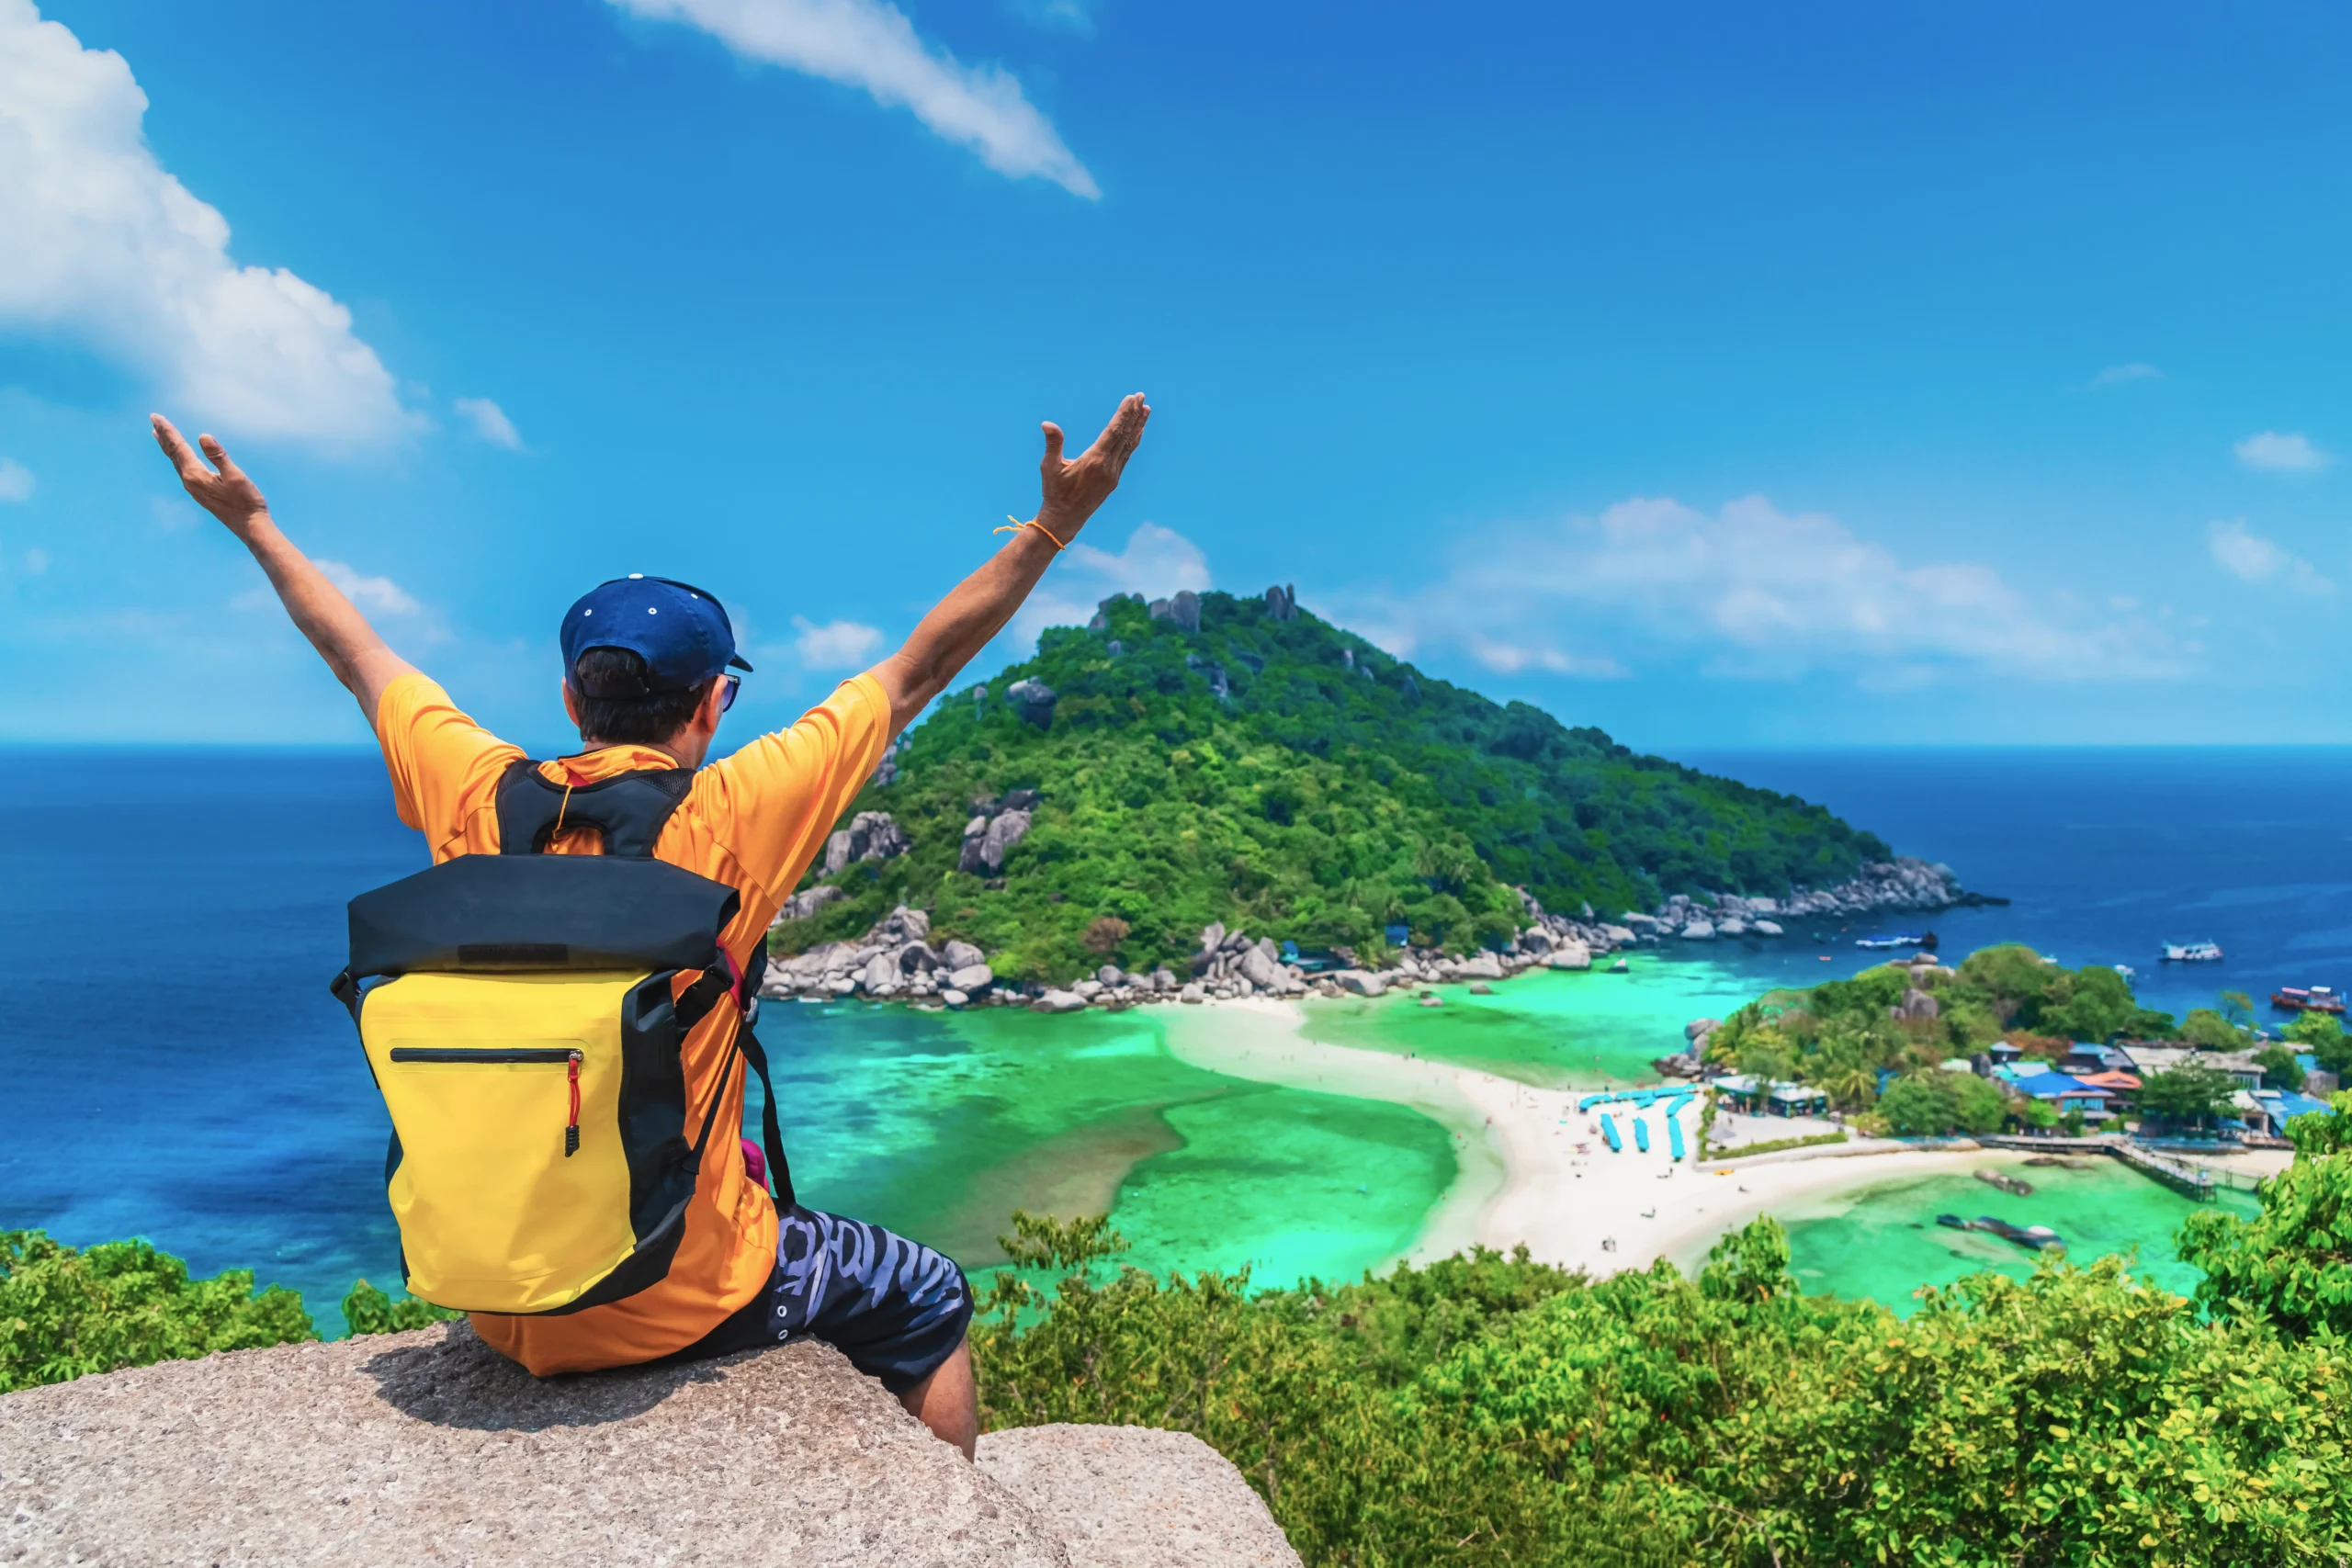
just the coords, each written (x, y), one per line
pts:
(648, 675)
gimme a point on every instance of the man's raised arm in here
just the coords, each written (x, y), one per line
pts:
(335, 625)
(961, 624)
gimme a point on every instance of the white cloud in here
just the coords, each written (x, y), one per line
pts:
(1509, 658)
(381, 595)
(870, 44)
(1751, 592)
(1155, 562)
(2249, 556)
(489, 423)
(2123, 375)
(2276, 453)
(15, 480)
(836, 644)
(103, 248)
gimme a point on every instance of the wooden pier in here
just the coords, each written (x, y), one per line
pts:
(2189, 1180)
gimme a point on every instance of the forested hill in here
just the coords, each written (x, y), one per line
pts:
(1238, 760)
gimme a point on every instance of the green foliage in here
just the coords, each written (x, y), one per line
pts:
(2187, 1095)
(2279, 1068)
(1489, 1411)
(67, 1312)
(2322, 1034)
(2208, 1029)
(369, 1311)
(2291, 1266)
(1935, 1103)
(1323, 798)
(1773, 1145)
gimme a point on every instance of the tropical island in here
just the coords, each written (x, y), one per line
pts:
(1209, 760)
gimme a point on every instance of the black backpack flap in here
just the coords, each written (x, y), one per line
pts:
(482, 913)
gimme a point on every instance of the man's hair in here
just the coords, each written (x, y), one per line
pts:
(642, 720)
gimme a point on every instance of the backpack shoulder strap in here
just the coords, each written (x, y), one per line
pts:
(629, 810)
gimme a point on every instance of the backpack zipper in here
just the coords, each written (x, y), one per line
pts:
(495, 1055)
(572, 1132)
(485, 1055)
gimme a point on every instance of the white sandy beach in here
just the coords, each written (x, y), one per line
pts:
(1522, 1180)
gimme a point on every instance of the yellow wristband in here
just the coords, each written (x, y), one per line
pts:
(1017, 524)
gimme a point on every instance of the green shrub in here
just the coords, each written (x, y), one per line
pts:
(67, 1312)
(369, 1311)
(1936, 1104)
(1489, 1411)
(1773, 1145)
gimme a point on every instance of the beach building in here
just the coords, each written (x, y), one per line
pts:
(2004, 1053)
(1777, 1099)
(2083, 1060)
(2063, 1092)
(2148, 1060)
(2268, 1110)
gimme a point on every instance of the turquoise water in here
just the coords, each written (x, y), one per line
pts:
(940, 1124)
(1882, 1242)
(1555, 1028)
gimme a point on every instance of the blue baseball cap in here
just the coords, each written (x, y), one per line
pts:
(679, 630)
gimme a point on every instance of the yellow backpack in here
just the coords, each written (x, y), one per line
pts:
(525, 1029)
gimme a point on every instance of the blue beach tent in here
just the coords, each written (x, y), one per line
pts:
(1641, 1135)
(1609, 1133)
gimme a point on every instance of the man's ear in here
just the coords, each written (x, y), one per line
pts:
(571, 705)
(707, 712)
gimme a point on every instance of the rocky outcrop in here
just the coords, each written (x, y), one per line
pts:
(1282, 603)
(430, 1447)
(1133, 1497)
(1230, 964)
(871, 835)
(987, 841)
(1033, 701)
(1899, 884)
(803, 904)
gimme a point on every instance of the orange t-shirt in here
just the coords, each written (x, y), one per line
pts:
(753, 821)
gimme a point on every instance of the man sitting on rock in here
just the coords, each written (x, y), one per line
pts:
(646, 677)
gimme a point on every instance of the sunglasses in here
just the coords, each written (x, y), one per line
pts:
(727, 692)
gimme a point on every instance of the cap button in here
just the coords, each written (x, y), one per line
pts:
(636, 576)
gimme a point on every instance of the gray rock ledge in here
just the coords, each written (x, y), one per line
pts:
(429, 1446)
(1134, 1497)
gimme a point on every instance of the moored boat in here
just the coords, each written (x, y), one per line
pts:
(2307, 998)
(2035, 1239)
(2192, 953)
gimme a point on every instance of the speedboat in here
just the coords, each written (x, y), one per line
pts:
(1882, 943)
(2192, 953)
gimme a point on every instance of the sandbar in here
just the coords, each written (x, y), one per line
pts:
(1522, 1180)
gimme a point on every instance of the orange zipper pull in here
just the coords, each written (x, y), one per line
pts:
(572, 1131)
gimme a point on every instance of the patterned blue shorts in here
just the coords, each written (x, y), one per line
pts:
(894, 1307)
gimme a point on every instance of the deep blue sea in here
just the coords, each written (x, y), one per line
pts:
(172, 1067)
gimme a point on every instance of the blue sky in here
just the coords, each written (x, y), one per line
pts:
(1841, 374)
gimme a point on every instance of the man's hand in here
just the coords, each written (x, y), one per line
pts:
(961, 624)
(317, 607)
(220, 488)
(1074, 489)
